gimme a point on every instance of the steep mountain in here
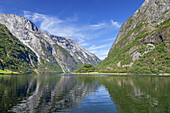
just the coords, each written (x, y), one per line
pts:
(14, 55)
(143, 43)
(54, 53)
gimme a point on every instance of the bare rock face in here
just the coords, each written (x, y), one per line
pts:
(79, 53)
(63, 52)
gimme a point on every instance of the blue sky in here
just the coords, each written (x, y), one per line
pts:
(93, 23)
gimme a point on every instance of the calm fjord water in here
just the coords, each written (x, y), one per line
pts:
(84, 94)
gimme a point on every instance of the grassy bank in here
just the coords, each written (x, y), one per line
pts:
(7, 72)
(97, 73)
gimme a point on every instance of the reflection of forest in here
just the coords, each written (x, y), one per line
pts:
(45, 93)
(53, 93)
(138, 94)
(14, 89)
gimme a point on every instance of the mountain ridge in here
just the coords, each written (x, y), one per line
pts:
(66, 53)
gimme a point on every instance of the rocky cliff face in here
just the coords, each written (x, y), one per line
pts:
(53, 52)
(143, 41)
(151, 12)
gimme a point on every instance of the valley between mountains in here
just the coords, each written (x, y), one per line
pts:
(142, 46)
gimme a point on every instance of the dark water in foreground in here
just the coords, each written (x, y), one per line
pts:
(84, 94)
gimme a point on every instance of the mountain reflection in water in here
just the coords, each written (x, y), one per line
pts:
(82, 94)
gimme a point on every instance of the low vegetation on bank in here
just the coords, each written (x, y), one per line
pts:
(7, 72)
(86, 68)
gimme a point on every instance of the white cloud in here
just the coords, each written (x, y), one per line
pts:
(101, 50)
(102, 53)
(86, 35)
(115, 24)
(54, 25)
(84, 44)
(99, 26)
(94, 47)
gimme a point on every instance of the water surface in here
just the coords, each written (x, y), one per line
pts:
(84, 94)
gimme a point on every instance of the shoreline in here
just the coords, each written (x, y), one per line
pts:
(8, 72)
(96, 73)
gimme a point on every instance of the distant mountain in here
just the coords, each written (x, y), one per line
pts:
(54, 53)
(143, 43)
(14, 55)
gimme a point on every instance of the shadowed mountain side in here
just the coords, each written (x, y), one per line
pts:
(14, 55)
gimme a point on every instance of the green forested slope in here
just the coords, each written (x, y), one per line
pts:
(14, 55)
(154, 46)
(143, 43)
(86, 68)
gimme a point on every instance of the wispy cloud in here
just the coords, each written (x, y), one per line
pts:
(87, 34)
(100, 50)
(115, 24)
(94, 47)
(98, 26)
(84, 44)
(102, 53)
(54, 25)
